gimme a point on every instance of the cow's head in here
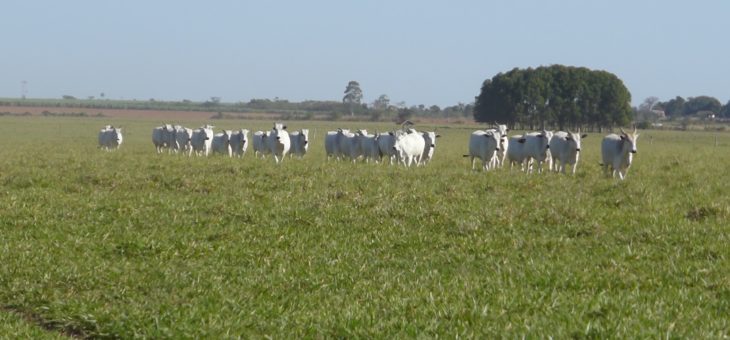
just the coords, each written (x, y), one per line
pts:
(629, 140)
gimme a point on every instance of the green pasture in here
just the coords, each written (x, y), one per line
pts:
(131, 244)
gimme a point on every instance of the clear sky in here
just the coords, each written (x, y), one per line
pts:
(415, 51)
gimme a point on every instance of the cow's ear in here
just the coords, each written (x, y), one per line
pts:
(583, 136)
(438, 136)
(521, 140)
(283, 127)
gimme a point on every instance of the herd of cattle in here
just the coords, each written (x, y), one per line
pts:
(493, 147)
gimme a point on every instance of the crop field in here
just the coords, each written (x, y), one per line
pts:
(129, 243)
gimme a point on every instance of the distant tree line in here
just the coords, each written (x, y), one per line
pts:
(555, 96)
(680, 107)
(351, 105)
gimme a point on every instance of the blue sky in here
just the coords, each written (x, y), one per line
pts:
(418, 52)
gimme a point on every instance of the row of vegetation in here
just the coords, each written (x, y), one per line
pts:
(555, 96)
(558, 96)
(380, 110)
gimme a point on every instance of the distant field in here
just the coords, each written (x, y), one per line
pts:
(132, 244)
(110, 113)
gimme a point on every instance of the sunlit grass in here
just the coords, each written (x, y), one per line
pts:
(130, 243)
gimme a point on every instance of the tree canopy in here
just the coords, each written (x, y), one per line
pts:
(558, 96)
(353, 95)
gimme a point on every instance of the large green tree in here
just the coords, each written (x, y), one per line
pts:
(673, 107)
(702, 103)
(725, 111)
(554, 96)
(353, 96)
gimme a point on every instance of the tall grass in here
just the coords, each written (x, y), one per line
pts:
(134, 244)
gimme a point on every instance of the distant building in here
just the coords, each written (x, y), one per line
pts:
(705, 114)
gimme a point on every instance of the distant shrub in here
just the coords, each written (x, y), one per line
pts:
(643, 125)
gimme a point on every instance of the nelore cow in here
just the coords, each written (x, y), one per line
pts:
(347, 144)
(530, 149)
(516, 152)
(110, 138)
(222, 143)
(617, 152)
(386, 144)
(202, 140)
(498, 160)
(183, 137)
(409, 146)
(331, 145)
(299, 143)
(163, 137)
(565, 149)
(535, 149)
(429, 138)
(239, 142)
(368, 145)
(261, 144)
(483, 145)
(279, 143)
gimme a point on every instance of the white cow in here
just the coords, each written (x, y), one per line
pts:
(202, 140)
(332, 145)
(222, 143)
(617, 152)
(239, 142)
(110, 138)
(163, 137)
(299, 142)
(261, 144)
(565, 149)
(499, 157)
(516, 152)
(183, 138)
(368, 145)
(386, 144)
(279, 143)
(536, 146)
(409, 146)
(347, 144)
(429, 138)
(483, 145)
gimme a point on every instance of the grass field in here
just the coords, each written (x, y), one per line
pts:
(132, 244)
